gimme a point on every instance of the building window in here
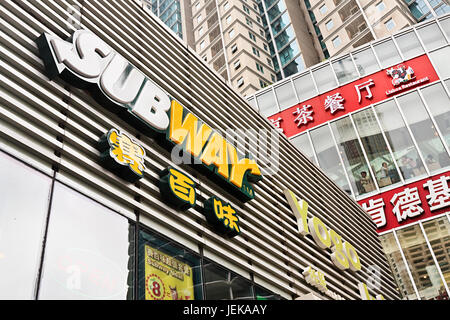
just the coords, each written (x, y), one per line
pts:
(380, 6)
(199, 18)
(328, 156)
(424, 131)
(240, 82)
(269, 61)
(337, 42)
(234, 48)
(355, 164)
(438, 233)
(228, 19)
(401, 143)
(205, 58)
(221, 284)
(387, 53)
(226, 6)
(160, 258)
(302, 143)
(200, 31)
(376, 148)
(323, 9)
(252, 36)
(440, 60)
(262, 83)
(394, 255)
(261, 32)
(304, 86)
(246, 9)
(437, 100)
(202, 45)
(265, 47)
(237, 64)
(345, 69)
(390, 24)
(329, 25)
(365, 61)
(431, 36)
(25, 193)
(259, 67)
(267, 103)
(83, 238)
(423, 270)
(197, 6)
(231, 33)
(409, 44)
(248, 21)
(324, 78)
(255, 51)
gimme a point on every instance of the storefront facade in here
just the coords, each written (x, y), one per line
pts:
(97, 102)
(377, 122)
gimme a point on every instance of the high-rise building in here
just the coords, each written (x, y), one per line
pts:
(427, 9)
(231, 37)
(171, 12)
(253, 43)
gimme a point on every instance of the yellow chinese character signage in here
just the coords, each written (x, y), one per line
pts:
(177, 189)
(167, 278)
(222, 216)
(123, 155)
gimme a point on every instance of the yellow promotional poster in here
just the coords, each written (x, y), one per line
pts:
(166, 278)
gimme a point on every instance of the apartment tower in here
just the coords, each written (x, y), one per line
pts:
(254, 43)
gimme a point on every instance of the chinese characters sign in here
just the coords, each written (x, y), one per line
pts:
(166, 278)
(317, 279)
(178, 189)
(123, 155)
(354, 96)
(222, 216)
(409, 203)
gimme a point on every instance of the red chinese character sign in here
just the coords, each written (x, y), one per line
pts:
(409, 203)
(354, 96)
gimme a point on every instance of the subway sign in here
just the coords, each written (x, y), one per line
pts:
(87, 62)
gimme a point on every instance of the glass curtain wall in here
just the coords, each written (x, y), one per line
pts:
(376, 148)
(281, 37)
(421, 264)
(400, 141)
(169, 12)
(328, 157)
(425, 247)
(356, 166)
(424, 131)
(386, 144)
